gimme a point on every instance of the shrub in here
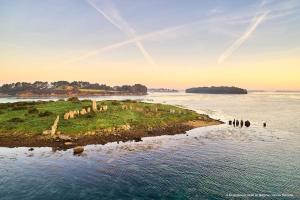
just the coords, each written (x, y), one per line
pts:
(90, 115)
(19, 108)
(114, 102)
(33, 110)
(74, 99)
(16, 119)
(45, 113)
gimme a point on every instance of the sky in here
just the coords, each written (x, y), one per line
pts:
(253, 44)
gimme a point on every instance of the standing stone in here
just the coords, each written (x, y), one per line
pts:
(83, 112)
(104, 108)
(88, 109)
(242, 123)
(265, 124)
(94, 106)
(54, 126)
(237, 122)
(66, 116)
(71, 113)
(230, 122)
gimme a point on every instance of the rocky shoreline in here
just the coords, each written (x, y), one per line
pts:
(65, 142)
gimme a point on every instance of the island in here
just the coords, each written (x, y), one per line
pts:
(65, 89)
(217, 90)
(71, 122)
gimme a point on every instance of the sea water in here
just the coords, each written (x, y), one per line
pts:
(217, 162)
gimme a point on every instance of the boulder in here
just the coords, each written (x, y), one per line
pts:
(78, 150)
(230, 122)
(65, 137)
(83, 112)
(104, 108)
(71, 114)
(172, 111)
(247, 123)
(66, 116)
(88, 110)
(124, 107)
(68, 143)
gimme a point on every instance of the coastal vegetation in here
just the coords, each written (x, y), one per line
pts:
(65, 88)
(217, 90)
(43, 122)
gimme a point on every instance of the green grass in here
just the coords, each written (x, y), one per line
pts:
(32, 123)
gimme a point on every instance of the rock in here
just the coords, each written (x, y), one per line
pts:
(234, 122)
(104, 108)
(71, 114)
(88, 110)
(172, 111)
(237, 122)
(94, 106)
(247, 123)
(78, 150)
(47, 132)
(265, 124)
(65, 137)
(230, 122)
(242, 123)
(31, 149)
(68, 143)
(54, 126)
(137, 139)
(83, 112)
(66, 116)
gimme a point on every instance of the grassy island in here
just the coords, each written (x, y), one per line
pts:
(74, 122)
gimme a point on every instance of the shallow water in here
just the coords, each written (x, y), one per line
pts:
(206, 163)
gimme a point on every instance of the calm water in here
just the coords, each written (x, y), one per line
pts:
(207, 163)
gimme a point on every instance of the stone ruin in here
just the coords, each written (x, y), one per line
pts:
(74, 113)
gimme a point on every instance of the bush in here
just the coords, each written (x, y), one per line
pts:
(115, 103)
(90, 115)
(19, 108)
(45, 114)
(74, 99)
(16, 119)
(33, 110)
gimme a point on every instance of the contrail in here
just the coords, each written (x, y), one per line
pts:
(240, 41)
(126, 42)
(115, 19)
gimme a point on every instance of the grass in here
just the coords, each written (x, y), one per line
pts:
(34, 118)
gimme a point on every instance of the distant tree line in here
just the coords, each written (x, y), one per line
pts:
(217, 90)
(40, 87)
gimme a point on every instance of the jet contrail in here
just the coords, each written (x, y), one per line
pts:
(126, 42)
(240, 41)
(115, 19)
